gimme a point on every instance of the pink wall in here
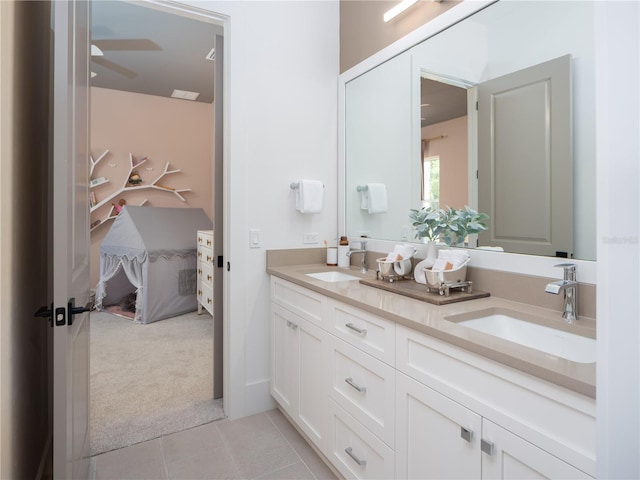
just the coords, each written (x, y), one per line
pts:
(453, 160)
(163, 130)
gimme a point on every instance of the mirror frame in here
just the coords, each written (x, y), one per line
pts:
(503, 261)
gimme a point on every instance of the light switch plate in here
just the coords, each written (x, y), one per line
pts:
(254, 238)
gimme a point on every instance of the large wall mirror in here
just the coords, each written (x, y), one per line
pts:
(411, 125)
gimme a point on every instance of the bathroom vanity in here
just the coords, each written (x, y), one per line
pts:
(386, 386)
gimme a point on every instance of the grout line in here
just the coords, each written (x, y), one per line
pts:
(228, 449)
(164, 460)
(291, 446)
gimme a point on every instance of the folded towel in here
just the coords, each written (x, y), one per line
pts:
(377, 193)
(309, 196)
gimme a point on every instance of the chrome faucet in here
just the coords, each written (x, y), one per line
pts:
(363, 250)
(569, 286)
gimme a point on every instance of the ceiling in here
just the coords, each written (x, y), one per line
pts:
(150, 51)
(445, 102)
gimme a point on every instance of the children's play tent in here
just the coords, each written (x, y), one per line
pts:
(152, 251)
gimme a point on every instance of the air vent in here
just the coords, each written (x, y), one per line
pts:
(211, 55)
(185, 95)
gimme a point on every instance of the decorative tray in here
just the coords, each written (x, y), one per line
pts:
(419, 291)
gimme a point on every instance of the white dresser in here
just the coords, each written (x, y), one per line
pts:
(205, 270)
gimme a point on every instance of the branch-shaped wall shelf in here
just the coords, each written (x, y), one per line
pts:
(153, 185)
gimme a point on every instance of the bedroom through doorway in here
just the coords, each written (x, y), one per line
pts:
(154, 152)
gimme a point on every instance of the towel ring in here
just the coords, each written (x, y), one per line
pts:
(362, 188)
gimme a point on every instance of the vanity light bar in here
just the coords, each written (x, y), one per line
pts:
(398, 9)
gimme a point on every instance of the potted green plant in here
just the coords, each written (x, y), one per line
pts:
(449, 225)
(459, 224)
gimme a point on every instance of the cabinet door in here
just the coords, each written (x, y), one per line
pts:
(313, 369)
(284, 358)
(436, 438)
(508, 456)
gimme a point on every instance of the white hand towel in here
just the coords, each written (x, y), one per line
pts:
(377, 197)
(309, 196)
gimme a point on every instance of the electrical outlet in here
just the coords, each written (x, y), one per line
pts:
(310, 238)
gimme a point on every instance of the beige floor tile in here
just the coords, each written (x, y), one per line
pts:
(137, 462)
(198, 453)
(257, 446)
(297, 471)
(306, 453)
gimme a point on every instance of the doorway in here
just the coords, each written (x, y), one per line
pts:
(116, 43)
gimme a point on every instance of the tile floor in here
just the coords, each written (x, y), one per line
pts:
(263, 446)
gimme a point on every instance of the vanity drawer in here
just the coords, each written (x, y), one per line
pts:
(354, 450)
(369, 333)
(205, 238)
(364, 387)
(301, 301)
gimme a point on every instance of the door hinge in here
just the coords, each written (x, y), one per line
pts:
(220, 261)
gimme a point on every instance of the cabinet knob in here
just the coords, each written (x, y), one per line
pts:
(209, 301)
(199, 254)
(199, 239)
(209, 277)
(209, 258)
(208, 242)
(290, 324)
(466, 434)
(486, 446)
(199, 293)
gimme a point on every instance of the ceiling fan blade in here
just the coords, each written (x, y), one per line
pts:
(115, 67)
(123, 44)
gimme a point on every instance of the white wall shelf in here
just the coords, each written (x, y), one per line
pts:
(126, 188)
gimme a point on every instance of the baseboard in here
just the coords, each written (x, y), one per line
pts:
(257, 398)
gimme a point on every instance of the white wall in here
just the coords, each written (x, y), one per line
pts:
(281, 86)
(618, 173)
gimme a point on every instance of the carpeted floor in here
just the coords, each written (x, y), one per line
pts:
(149, 380)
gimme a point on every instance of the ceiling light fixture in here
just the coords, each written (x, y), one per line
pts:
(398, 9)
(185, 95)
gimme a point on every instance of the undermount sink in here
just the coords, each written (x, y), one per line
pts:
(507, 326)
(332, 276)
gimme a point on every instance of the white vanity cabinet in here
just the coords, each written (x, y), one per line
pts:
(204, 285)
(299, 376)
(382, 400)
(519, 423)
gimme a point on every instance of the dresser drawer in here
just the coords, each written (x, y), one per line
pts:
(205, 238)
(205, 297)
(364, 386)
(354, 450)
(205, 273)
(369, 333)
(306, 303)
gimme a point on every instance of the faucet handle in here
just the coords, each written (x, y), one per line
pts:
(569, 270)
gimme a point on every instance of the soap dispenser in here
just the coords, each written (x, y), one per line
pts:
(343, 249)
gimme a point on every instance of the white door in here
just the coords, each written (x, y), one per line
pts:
(70, 250)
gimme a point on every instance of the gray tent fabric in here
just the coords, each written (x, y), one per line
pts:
(152, 251)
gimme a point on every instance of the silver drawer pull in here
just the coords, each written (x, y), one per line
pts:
(290, 324)
(356, 386)
(466, 434)
(486, 446)
(349, 452)
(361, 331)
